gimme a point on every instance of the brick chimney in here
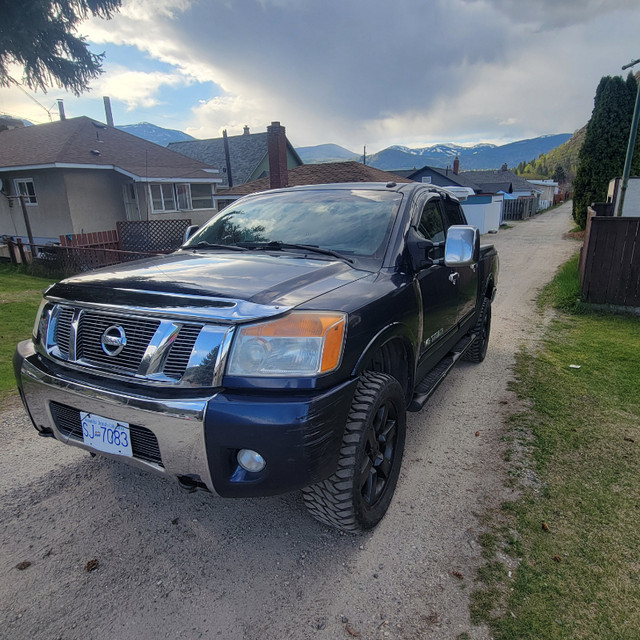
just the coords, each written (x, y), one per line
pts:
(456, 166)
(277, 150)
(245, 130)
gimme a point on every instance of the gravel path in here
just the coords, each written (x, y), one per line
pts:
(177, 565)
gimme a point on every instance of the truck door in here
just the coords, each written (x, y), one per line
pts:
(467, 279)
(439, 293)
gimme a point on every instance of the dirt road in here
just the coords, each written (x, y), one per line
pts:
(174, 565)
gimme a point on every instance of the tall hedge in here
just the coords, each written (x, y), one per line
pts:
(605, 145)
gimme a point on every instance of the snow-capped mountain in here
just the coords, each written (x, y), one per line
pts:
(479, 156)
(154, 133)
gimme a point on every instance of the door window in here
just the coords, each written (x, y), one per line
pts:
(432, 227)
(453, 212)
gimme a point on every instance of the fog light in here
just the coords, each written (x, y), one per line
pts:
(251, 460)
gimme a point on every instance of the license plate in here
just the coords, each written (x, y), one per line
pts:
(103, 434)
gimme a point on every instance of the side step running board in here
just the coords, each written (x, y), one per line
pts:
(432, 380)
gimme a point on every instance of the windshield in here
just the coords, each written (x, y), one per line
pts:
(356, 222)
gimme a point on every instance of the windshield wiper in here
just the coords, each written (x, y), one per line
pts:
(278, 246)
(211, 245)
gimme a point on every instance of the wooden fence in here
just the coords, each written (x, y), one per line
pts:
(131, 241)
(84, 251)
(519, 209)
(97, 239)
(610, 261)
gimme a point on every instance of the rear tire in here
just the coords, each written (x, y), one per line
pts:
(356, 497)
(478, 350)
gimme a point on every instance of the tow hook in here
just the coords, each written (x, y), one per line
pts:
(191, 483)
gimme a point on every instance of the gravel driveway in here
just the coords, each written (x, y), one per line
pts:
(167, 564)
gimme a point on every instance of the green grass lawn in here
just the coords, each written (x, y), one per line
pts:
(20, 295)
(576, 533)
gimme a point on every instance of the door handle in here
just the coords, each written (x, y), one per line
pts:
(454, 277)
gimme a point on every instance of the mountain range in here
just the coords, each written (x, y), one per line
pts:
(325, 153)
(154, 133)
(480, 156)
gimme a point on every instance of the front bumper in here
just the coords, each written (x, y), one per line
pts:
(198, 438)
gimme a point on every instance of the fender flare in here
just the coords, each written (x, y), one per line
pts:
(395, 331)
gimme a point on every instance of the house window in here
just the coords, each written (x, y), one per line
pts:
(182, 197)
(162, 197)
(24, 187)
(202, 196)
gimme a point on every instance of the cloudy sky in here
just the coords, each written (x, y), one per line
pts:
(353, 72)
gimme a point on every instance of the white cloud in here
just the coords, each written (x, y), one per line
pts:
(367, 71)
(234, 111)
(136, 88)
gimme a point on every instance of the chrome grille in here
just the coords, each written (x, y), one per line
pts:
(89, 340)
(180, 351)
(165, 351)
(63, 329)
(144, 443)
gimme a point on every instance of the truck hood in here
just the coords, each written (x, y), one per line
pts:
(233, 286)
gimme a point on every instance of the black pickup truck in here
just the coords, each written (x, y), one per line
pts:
(278, 349)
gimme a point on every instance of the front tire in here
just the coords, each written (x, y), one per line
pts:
(356, 497)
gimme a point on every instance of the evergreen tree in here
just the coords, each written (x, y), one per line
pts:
(559, 174)
(602, 155)
(40, 36)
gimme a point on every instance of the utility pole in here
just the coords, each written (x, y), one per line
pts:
(25, 215)
(630, 147)
(27, 224)
(364, 155)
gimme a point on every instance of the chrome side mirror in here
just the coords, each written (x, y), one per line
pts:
(462, 247)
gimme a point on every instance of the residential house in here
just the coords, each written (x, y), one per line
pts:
(481, 193)
(325, 173)
(440, 177)
(631, 204)
(78, 175)
(242, 158)
(548, 190)
(494, 191)
(497, 181)
(483, 211)
(430, 175)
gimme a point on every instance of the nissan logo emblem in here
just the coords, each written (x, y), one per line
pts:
(113, 340)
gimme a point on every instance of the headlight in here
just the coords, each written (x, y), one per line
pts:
(39, 326)
(303, 343)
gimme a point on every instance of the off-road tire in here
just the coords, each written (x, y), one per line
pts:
(478, 350)
(356, 497)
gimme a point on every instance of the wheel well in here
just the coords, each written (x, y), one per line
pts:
(393, 359)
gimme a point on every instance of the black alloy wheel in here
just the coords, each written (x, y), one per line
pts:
(357, 495)
(379, 450)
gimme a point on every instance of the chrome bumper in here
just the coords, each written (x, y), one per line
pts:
(177, 424)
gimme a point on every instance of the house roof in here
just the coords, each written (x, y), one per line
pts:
(493, 181)
(325, 173)
(403, 173)
(246, 152)
(439, 177)
(86, 143)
